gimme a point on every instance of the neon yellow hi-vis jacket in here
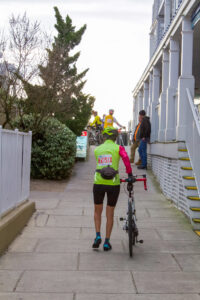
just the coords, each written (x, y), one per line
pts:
(107, 154)
(97, 121)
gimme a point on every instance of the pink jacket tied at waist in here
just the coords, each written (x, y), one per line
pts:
(125, 158)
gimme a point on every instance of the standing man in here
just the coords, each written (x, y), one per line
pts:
(107, 181)
(110, 120)
(145, 133)
(135, 143)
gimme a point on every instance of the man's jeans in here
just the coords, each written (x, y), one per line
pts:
(143, 152)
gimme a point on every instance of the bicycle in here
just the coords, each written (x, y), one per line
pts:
(130, 225)
(95, 136)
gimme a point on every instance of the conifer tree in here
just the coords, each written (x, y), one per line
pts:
(61, 76)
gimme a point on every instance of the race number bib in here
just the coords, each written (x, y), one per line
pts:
(105, 160)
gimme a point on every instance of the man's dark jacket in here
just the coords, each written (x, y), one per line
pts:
(145, 128)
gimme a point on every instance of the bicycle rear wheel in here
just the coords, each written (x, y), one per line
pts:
(130, 228)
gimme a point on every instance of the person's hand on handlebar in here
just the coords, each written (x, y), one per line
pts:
(130, 177)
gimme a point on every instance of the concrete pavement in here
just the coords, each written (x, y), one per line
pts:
(53, 259)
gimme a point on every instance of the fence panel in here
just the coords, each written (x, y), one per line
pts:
(15, 159)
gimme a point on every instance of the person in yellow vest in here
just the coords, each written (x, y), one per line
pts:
(107, 181)
(110, 120)
(97, 120)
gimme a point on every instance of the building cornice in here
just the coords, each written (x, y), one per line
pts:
(176, 22)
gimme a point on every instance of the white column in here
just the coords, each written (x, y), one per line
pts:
(150, 94)
(158, 32)
(186, 79)
(146, 96)
(152, 46)
(134, 110)
(140, 101)
(165, 85)
(167, 13)
(155, 99)
(170, 133)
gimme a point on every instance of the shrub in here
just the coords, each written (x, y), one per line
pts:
(53, 149)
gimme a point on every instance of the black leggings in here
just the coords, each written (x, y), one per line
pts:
(112, 191)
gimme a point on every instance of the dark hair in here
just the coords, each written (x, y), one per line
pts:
(142, 113)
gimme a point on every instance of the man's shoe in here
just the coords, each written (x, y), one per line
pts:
(139, 162)
(97, 243)
(142, 168)
(107, 246)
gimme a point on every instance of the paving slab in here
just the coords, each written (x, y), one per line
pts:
(119, 233)
(39, 261)
(119, 261)
(79, 281)
(167, 282)
(136, 297)
(154, 246)
(74, 221)
(141, 213)
(164, 212)
(189, 262)
(23, 245)
(163, 223)
(8, 280)
(177, 235)
(46, 203)
(51, 233)
(75, 246)
(38, 219)
(37, 296)
(67, 211)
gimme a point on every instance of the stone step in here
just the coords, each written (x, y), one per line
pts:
(187, 168)
(184, 158)
(197, 209)
(188, 177)
(182, 150)
(191, 188)
(194, 198)
(196, 220)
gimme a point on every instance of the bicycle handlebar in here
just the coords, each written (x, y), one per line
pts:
(135, 179)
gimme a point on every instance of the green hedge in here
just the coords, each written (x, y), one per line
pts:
(53, 149)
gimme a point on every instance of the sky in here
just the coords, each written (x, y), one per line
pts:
(115, 46)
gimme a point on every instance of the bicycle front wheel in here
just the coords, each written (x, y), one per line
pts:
(130, 228)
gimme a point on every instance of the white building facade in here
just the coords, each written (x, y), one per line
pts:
(168, 91)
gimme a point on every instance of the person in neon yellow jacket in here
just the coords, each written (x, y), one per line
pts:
(97, 120)
(107, 181)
